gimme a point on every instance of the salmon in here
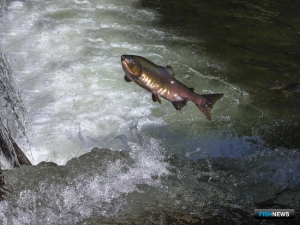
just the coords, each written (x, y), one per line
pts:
(161, 82)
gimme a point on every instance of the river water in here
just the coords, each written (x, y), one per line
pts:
(151, 164)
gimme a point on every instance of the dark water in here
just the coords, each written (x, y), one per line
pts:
(258, 43)
(258, 40)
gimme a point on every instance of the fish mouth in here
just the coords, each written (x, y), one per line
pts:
(124, 60)
(125, 64)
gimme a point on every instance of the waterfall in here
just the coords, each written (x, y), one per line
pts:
(12, 118)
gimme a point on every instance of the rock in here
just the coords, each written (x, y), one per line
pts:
(10, 150)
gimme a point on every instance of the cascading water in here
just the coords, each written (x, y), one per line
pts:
(151, 163)
(13, 118)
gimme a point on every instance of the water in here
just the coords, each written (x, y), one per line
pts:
(161, 165)
(90, 113)
(257, 41)
(13, 118)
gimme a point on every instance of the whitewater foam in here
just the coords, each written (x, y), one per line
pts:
(96, 182)
(66, 60)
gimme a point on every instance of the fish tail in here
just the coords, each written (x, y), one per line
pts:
(207, 103)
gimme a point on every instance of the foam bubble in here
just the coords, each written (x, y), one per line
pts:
(66, 60)
(96, 182)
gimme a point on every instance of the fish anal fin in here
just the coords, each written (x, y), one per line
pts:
(179, 105)
(156, 98)
(127, 79)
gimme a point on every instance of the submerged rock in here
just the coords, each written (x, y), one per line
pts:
(291, 89)
(288, 89)
(127, 187)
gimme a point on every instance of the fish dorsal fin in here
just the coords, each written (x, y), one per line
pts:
(169, 70)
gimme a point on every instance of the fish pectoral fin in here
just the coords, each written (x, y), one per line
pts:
(156, 98)
(179, 105)
(127, 79)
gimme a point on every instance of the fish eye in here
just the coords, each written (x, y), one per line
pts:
(132, 63)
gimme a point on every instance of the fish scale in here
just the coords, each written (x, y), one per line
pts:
(160, 81)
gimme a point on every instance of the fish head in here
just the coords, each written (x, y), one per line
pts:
(131, 65)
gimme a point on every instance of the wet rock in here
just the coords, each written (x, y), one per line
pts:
(10, 151)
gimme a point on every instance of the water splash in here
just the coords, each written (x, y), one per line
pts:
(96, 182)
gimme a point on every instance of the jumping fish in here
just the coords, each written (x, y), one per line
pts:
(161, 82)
